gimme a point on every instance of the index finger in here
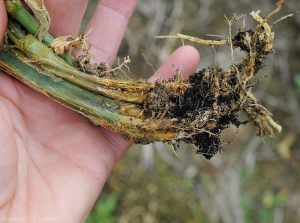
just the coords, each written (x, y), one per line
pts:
(108, 25)
(65, 16)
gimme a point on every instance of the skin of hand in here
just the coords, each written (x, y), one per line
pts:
(54, 162)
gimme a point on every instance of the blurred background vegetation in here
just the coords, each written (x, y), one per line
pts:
(253, 180)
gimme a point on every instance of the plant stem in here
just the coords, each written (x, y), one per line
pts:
(100, 109)
(38, 66)
(39, 52)
(16, 9)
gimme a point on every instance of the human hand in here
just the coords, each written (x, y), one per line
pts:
(54, 162)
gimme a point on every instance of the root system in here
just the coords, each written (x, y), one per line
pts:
(199, 108)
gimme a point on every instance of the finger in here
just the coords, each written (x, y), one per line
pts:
(108, 25)
(8, 157)
(185, 59)
(65, 16)
(3, 20)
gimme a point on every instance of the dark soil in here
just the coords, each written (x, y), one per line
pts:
(200, 98)
(213, 97)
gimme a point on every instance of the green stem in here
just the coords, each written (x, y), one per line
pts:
(98, 108)
(16, 9)
(37, 65)
(40, 53)
(65, 92)
(37, 51)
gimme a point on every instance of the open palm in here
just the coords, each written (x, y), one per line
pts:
(53, 161)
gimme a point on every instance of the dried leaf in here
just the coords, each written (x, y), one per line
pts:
(42, 16)
(62, 44)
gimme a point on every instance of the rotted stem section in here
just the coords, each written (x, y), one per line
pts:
(41, 54)
(118, 117)
(35, 64)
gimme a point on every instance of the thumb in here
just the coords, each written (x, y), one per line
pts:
(8, 157)
(3, 20)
